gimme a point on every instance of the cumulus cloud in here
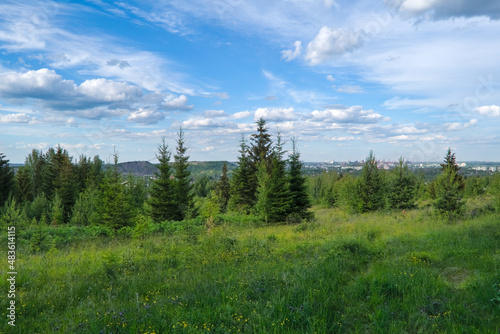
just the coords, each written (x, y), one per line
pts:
(275, 114)
(456, 126)
(344, 114)
(350, 89)
(15, 118)
(146, 116)
(214, 113)
(241, 114)
(331, 42)
(444, 9)
(489, 111)
(292, 54)
(330, 78)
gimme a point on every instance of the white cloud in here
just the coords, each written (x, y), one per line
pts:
(241, 114)
(455, 126)
(330, 78)
(214, 113)
(331, 42)
(489, 111)
(175, 103)
(444, 9)
(292, 54)
(275, 114)
(16, 118)
(343, 114)
(104, 90)
(350, 89)
(146, 116)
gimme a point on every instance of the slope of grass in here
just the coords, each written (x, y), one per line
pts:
(371, 273)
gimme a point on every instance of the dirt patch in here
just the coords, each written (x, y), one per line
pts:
(456, 276)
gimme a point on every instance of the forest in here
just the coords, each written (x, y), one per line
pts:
(104, 252)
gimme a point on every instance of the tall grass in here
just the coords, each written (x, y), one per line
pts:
(403, 272)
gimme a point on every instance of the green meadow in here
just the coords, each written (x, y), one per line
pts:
(380, 272)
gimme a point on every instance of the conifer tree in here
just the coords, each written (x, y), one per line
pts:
(24, 187)
(263, 207)
(36, 164)
(403, 187)
(183, 187)
(6, 179)
(241, 195)
(113, 208)
(370, 186)
(161, 200)
(223, 189)
(259, 150)
(279, 194)
(449, 187)
(300, 202)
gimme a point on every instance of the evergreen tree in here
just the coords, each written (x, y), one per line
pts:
(36, 165)
(259, 150)
(279, 194)
(24, 193)
(84, 211)
(300, 202)
(403, 187)
(241, 195)
(161, 200)
(183, 187)
(113, 209)
(370, 185)
(263, 207)
(6, 179)
(451, 163)
(223, 189)
(448, 188)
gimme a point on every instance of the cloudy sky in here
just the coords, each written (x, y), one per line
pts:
(401, 77)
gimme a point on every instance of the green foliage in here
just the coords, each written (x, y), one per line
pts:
(6, 179)
(24, 193)
(224, 189)
(211, 207)
(263, 207)
(280, 197)
(347, 189)
(475, 186)
(85, 208)
(56, 211)
(494, 189)
(299, 198)
(183, 194)
(370, 186)
(449, 195)
(39, 207)
(260, 150)
(113, 209)
(162, 201)
(241, 195)
(403, 187)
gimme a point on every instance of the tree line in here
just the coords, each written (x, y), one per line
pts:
(52, 189)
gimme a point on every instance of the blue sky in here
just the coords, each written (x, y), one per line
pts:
(401, 77)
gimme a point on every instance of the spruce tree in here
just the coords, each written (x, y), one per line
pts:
(183, 188)
(241, 195)
(449, 188)
(113, 207)
(223, 189)
(24, 193)
(161, 200)
(300, 202)
(403, 187)
(279, 194)
(370, 185)
(259, 150)
(263, 207)
(6, 179)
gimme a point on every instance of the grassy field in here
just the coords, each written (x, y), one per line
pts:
(400, 272)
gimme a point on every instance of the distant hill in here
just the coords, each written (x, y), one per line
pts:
(212, 169)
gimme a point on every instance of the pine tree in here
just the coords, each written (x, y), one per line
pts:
(403, 187)
(300, 202)
(161, 200)
(223, 189)
(241, 195)
(36, 164)
(183, 187)
(370, 186)
(6, 179)
(279, 194)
